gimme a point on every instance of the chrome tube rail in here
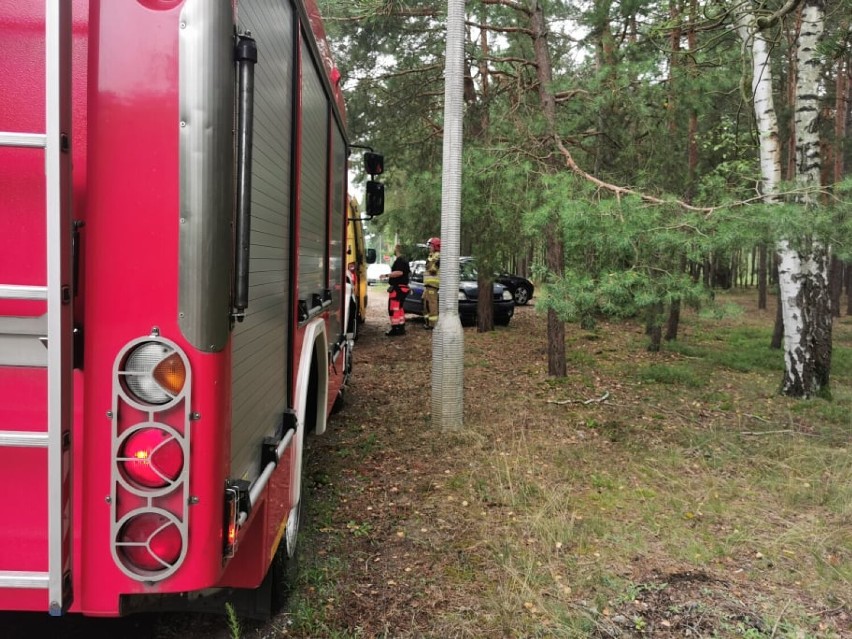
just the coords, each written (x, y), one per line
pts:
(261, 482)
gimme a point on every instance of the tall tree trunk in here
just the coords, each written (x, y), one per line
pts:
(849, 289)
(554, 249)
(734, 270)
(778, 330)
(673, 324)
(606, 68)
(484, 78)
(835, 284)
(692, 134)
(842, 99)
(674, 321)
(752, 272)
(802, 269)
(790, 94)
(804, 272)
(654, 327)
(761, 277)
(767, 123)
(485, 304)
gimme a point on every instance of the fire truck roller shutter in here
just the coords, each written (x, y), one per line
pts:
(260, 344)
(206, 123)
(313, 186)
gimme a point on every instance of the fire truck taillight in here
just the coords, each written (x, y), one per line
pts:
(154, 373)
(232, 512)
(151, 458)
(151, 446)
(150, 542)
(171, 374)
(237, 507)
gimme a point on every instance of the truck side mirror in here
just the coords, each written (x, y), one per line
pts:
(374, 164)
(371, 256)
(375, 198)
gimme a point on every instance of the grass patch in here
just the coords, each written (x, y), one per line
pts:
(579, 359)
(693, 501)
(677, 374)
(743, 349)
(747, 349)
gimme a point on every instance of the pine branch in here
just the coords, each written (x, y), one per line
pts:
(398, 74)
(517, 6)
(510, 59)
(489, 27)
(564, 96)
(620, 191)
(768, 21)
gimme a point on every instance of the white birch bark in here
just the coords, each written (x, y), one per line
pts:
(793, 267)
(808, 160)
(802, 269)
(810, 350)
(756, 48)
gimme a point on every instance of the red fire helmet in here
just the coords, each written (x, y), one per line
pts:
(435, 243)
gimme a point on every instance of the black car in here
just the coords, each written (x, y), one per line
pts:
(522, 289)
(504, 304)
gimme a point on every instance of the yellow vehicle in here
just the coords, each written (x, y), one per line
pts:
(357, 257)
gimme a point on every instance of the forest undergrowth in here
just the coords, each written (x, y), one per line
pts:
(670, 494)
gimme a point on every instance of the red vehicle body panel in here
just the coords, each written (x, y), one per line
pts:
(126, 183)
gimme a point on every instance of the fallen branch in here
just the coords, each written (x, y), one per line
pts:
(593, 400)
(830, 611)
(757, 417)
(772, 432)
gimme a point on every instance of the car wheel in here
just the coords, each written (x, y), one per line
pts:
(522, 295)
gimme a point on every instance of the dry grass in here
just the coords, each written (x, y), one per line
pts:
(692, 501)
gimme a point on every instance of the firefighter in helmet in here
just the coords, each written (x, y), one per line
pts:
(431, 283)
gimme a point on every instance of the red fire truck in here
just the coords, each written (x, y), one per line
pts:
(173, 295)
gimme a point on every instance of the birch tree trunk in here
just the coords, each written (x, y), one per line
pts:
(804, 273)
(802, 269)
(756, 48)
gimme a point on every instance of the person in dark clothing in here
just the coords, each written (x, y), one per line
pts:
(397, 292)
